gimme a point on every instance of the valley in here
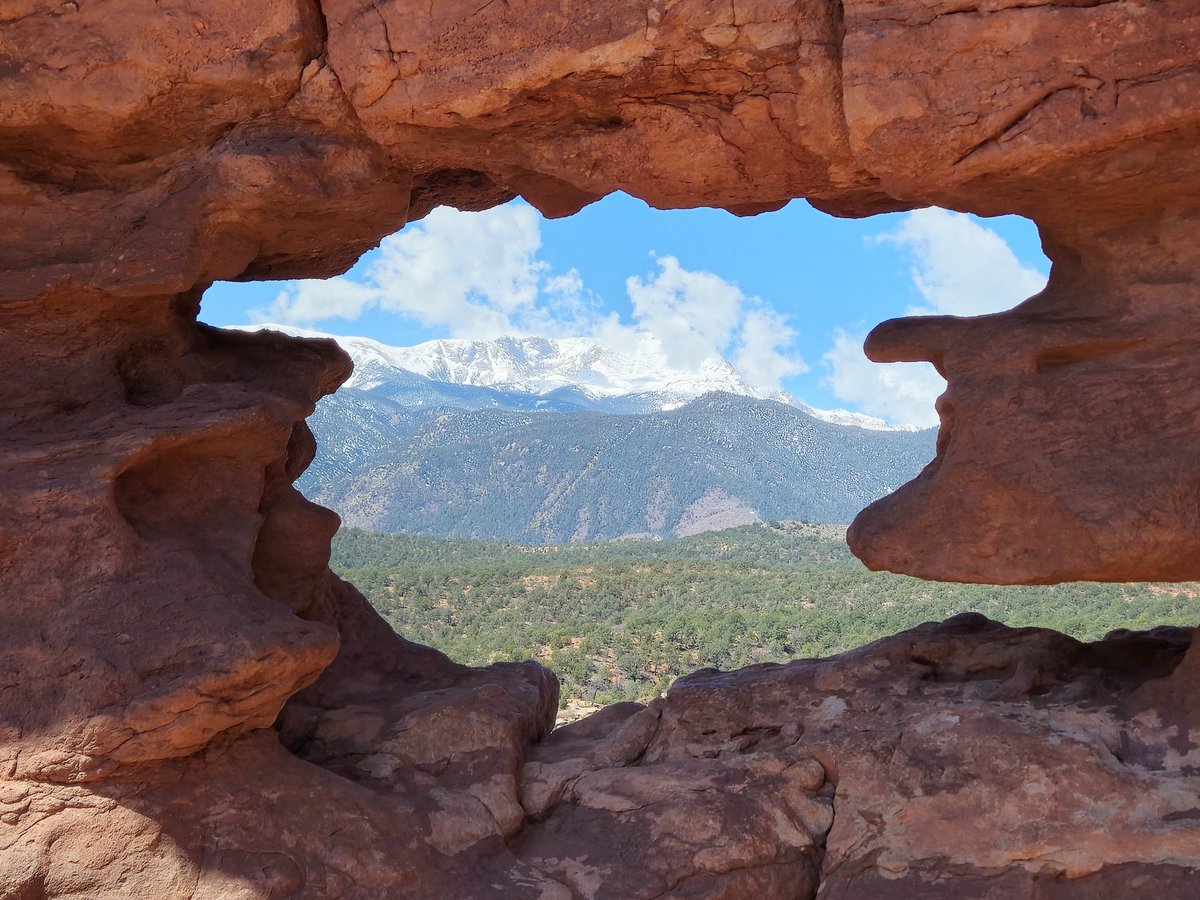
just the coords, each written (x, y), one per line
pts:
(621, 620)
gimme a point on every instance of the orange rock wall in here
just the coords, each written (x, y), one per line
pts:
(166, 598)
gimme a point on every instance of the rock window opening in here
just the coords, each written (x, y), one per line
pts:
(508, 498)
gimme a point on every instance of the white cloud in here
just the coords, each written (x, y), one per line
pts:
(478, 275)
(693, 314)
(959, 267)
(898, 392)
(565, 308)
(697, 315)
(762, 354)
(474, 274)
(305, 302)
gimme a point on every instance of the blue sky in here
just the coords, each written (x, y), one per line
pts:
(787, 296)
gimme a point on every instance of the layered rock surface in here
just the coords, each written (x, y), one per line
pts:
(957, 760)
(166, 598)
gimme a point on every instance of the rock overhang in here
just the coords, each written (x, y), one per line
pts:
(168, 587)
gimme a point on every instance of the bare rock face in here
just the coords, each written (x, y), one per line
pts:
(970, 760)
(1027, 485)
(1096, 362)
(957, 760)
(192, 705)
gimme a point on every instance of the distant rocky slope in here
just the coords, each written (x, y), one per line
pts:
(548, 441)
(540, 477)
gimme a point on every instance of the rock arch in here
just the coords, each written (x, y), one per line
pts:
(165, 598)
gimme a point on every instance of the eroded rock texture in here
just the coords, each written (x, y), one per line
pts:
(957, 760)
(191, 705)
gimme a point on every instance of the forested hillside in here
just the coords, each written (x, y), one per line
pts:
(620, 620)
(545, 477)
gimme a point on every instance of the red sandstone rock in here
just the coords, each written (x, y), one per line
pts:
(166, 598)
(963, 759)
(971, 760)
(1026, 486)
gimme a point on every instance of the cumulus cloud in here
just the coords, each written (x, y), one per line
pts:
(479, 275)
(308, 301)
(958, 267)
(764, 353)
(697, 315)
(474, 274)
(899, 392)
(693, 314)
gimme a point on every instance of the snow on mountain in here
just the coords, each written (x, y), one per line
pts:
(845, 417)
(538, 366)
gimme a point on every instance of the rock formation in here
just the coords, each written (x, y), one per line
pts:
(191, 705)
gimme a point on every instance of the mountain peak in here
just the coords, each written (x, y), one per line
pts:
(532, 365)
(538, 365)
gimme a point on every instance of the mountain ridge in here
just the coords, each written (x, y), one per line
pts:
(621, 381)
(538, 477)
(515, 449)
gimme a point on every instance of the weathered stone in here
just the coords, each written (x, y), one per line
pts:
(950, 781)
(1026, 486)
(166, 595)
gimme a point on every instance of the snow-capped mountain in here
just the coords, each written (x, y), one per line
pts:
(536, 440)
(575, 373)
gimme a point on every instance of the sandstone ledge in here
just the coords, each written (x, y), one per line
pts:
(166, 598)
(961, 759)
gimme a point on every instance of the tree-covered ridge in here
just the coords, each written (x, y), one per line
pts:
(622, 619)
(547, 477)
